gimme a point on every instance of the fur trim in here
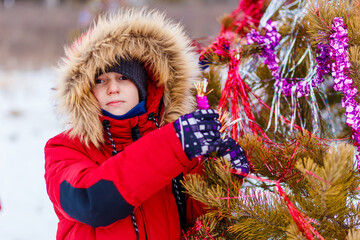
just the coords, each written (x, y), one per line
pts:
(146, 36)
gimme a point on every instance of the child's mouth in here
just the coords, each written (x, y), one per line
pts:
(114, 103)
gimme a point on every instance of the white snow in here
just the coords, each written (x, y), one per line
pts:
(27, 121)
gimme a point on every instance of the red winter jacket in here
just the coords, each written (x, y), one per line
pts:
(94, 193)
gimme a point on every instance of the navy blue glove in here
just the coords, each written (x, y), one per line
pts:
(231, 151)
(199, 132)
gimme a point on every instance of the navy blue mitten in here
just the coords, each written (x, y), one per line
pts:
(231, 151)
(199, 132)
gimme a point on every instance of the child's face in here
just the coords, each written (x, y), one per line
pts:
(115, 93)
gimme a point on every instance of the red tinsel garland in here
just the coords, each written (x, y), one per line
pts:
(246, 15)
(235, 94)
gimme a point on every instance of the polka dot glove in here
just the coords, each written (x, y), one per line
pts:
(231, 151)
(199, 132)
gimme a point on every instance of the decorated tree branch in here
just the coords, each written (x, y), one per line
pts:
(317, 199)
(291, 94)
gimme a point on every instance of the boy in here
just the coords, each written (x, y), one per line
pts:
(125, 87)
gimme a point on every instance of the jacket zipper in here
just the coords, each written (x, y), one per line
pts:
(135, 135)
(151, 117)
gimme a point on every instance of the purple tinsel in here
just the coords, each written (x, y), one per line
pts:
(323, 61)
(269, 42)
(340, 71)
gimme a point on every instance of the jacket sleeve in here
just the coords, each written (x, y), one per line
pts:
(99, 195)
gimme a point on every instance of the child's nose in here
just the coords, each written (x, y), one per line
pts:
(113, 87)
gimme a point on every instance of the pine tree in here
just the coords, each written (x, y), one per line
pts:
(302, 184)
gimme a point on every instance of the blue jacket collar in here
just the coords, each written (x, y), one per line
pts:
(138, 110)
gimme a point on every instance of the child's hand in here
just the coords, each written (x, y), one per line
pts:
(199, 132)
(231, 151)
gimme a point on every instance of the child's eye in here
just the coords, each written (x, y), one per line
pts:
(97, 81)
(123, 78)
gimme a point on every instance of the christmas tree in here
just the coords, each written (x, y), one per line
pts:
(290, 94)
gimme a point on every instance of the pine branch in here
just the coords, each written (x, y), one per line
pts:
(353, 235)
(260, 215)
(293, 233)
(206, 228)
(329, 186)
(220, 183)
(276, 161)
(354, 57)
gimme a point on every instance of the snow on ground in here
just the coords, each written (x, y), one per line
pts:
(27, 121)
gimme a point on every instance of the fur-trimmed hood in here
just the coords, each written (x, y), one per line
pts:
(132, 34)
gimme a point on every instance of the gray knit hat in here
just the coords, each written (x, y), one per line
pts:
(135, 71)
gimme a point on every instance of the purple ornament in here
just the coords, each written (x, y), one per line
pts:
(202, 102)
